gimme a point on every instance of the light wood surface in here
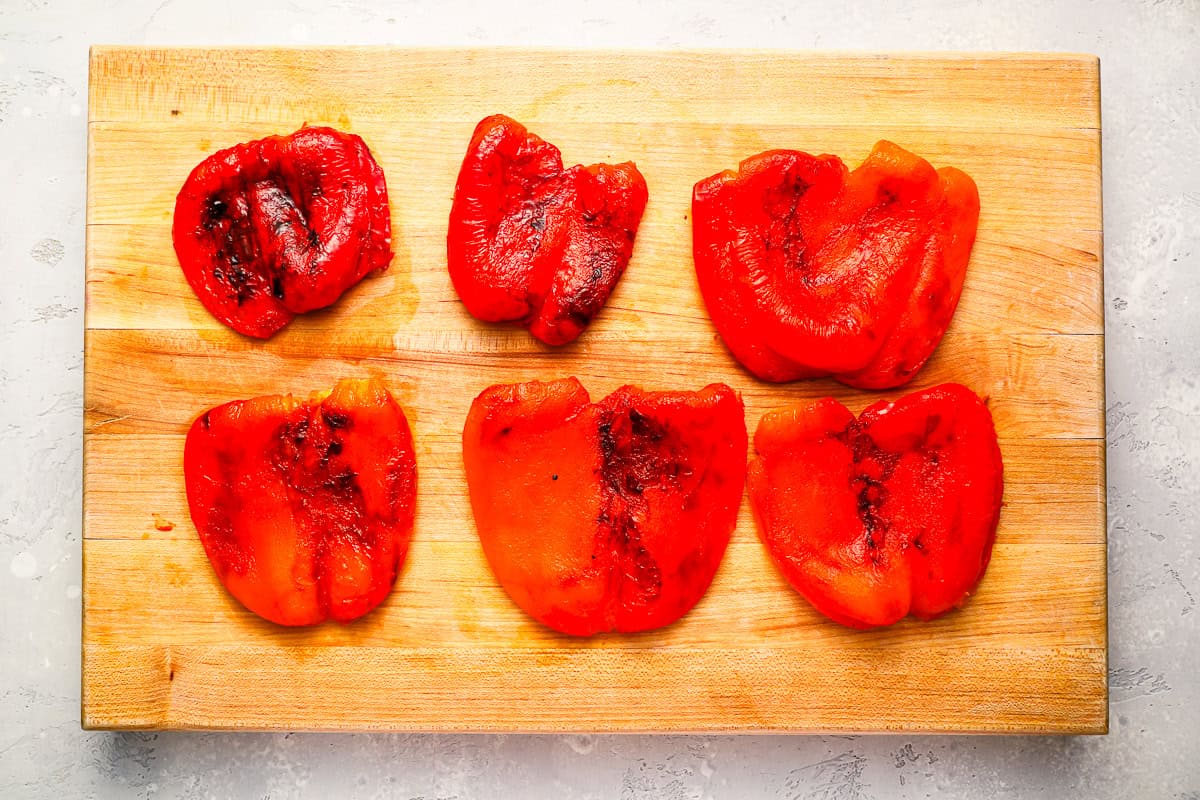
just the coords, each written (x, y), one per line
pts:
(165, 647)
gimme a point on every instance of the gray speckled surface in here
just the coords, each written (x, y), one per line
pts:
(1150, 54)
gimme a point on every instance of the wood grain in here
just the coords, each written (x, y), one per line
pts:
(165, 647)
(445, 598)
(760, 688)
(1042, 477)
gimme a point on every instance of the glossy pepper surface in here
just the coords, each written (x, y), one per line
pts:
(889, 514)
(534, 243)
(607, 516)
(304, 507)
(273, 228)
(809, 269)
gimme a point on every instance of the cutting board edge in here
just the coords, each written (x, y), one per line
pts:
(98, 54)
(98, 50)
(172, 711)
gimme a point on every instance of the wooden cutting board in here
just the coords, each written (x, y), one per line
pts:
(165, 647)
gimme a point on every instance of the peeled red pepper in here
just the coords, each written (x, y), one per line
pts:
(536, 244)
(809, 269)
(273, 228)
(304, 507)
(889, 514)
(604, 516)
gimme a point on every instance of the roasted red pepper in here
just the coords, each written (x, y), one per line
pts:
(604, 516)
(305, 508)
(890, 514)
(808, 269)
(533, 243)
(276, 227)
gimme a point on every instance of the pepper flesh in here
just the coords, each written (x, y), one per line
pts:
(808, 269)
(305, 508)
(533, 243)
(604, 516)
(273, 228)
(890, 514)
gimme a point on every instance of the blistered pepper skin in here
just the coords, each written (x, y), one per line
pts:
(607, 516)
(809, 270)
(277, 227)
(304, 507)
(889, 514)
(536, 244)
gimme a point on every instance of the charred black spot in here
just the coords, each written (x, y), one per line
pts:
(332, 449)
(335, 419)
(314, 241)
(241, 280)
(277, 287)
(215, 210)
(608, 445)
(236, 277)
(289, 449)
(341, 482)
(799, 186)
(554, 477)
(641, 577)
(205, 421)
(887, 196)
(506, 430)
(579, 317)
(870, 496)
(642, 425)
(586, 297)
(639, 452)
(783, 234)
(859, 444)
(918, 544)
(641, 571)
(298, 431)
(875, 466)
(533, 214)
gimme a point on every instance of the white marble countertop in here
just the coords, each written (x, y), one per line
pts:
(1150, 54)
